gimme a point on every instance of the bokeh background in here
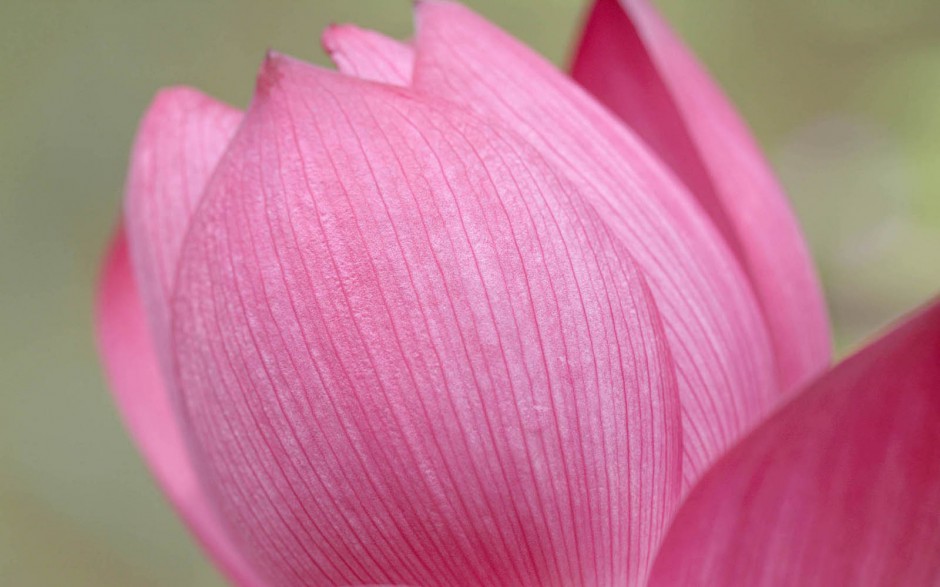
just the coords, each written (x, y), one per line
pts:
(844, 95)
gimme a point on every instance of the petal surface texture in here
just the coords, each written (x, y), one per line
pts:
(841, 487)
(135, 377)
(369, 55)
(412, 354)
(713, 323)
(181, 139)
(178, 145)
(634, 64)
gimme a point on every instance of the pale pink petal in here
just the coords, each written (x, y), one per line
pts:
(369, 55)
(841, 487)
(713, 323)
(130, 362)
(411, 354)
(633, 63)
(178, 144)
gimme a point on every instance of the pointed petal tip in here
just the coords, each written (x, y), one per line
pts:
(368, 55)
(330, 39)
(279, 68)
(270, 73)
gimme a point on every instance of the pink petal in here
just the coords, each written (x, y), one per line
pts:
(714, 326)
(126, 348)
(841, 487)
(633, 63)
(178, 144)
(411, 354)
(368, 55)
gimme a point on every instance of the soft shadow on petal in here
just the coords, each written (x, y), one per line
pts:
(841, 487)
(714, 326)
(130, 362)
(633, 63)
(411, 354)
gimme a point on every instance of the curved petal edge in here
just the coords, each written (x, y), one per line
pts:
(632, 61)
(413, 355)
(130, 363)
(840, 487)
(178, 144)
(718, 337)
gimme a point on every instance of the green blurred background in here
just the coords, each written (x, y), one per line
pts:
(844, 95)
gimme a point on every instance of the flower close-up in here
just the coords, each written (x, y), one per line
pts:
(449, 315)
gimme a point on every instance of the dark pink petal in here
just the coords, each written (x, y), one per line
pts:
(412, 354)
(130, 362)
(178, 145)
(633, 63)
(713, 323)
(841, 487)
(369, 55)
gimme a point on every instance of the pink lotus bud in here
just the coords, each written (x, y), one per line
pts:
(443, 318)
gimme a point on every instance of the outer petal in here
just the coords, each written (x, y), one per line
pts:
(369, 55)
(633, 63)
(179, 142)
(718, 338)
(178, 145)
(841, 487)
(131, 365)
(411, 355)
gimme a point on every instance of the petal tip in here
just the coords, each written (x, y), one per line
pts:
(329, 40)
(169, 107)
(179, 99)
(170, 102)
(270, 73)
(278, 69)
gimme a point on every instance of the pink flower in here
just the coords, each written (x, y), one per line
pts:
(442, 318)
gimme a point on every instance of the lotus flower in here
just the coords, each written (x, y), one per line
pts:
(450, 317)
